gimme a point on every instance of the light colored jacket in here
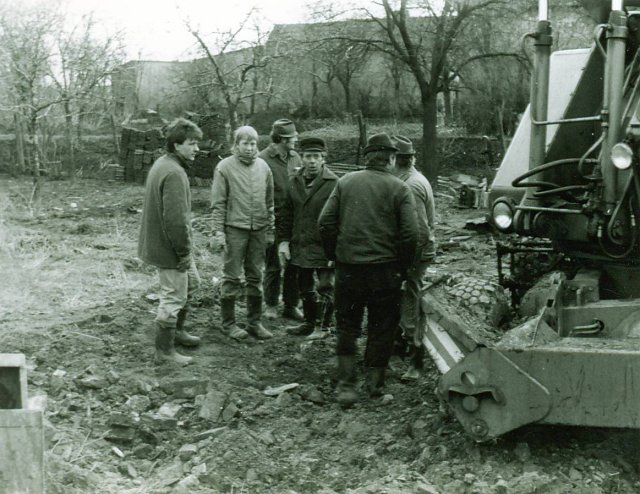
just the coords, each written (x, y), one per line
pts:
(425, 208)
(242, 195)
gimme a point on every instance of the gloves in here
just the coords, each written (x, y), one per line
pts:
(184, 263)
(284, 254)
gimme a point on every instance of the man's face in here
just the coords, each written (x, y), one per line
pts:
(392, 162)
(247, 147)
(312, 162)
(289, 142)
(188, 149)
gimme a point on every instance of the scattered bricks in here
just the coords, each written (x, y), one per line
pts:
(157, 422)
(91, 382)
(184, 388)
(211, 405)
(143, 451)
(138, 403)
(230, 412)
(188, 451)
(209, 433)
(122, 428)
(170, 410)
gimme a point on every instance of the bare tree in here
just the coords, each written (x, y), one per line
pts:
(233, 72)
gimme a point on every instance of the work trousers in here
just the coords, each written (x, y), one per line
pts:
(244, 249)
(376, 287)
(411, 316)
(274, 279)
(176, 289)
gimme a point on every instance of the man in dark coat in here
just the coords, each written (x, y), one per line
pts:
(166, 239)
(300, 242)
(369, 227)
(284, 163)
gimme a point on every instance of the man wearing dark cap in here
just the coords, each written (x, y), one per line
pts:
(411, 322)
(300, 242)
(284, 163)
(369, 227)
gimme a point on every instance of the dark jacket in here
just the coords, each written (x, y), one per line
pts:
(165, 230)
(283, 168)
(299, 223)
(425, 208)
(370, 218)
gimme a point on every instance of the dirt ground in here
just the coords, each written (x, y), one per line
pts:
(80, 305)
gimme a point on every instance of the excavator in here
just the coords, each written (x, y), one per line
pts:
(566, 198)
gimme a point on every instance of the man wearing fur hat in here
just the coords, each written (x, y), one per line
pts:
(411, 319)
(300, 242)
(284, 162)
(369, 227)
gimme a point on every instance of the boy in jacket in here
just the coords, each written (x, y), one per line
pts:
(243, 221)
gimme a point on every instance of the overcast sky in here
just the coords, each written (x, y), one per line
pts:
(155, 29)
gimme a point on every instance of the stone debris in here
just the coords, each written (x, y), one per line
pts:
(170, 410)
(187, 451)
(211, 405)
(278, 390)
(138, 403)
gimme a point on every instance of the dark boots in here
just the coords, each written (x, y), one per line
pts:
(374, 383)
(310, 308)
(165, 346)
(416, 364)
(347, 394)
(254, 318)
(228, 313)
(182, 337)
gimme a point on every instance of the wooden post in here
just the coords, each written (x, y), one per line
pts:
(21, 432)
(19, 142)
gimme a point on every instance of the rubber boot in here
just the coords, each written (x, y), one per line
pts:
(182, 337)
(310, 308)
(347, 394)
(228, 313)
(415, 365)
(293, 313)
(326, 315)
(254, 316)
(165, 346)
(374, 383)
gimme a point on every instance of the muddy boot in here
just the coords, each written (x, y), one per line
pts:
(318, 334)
(374, 383)
(182, 337)
(228, 312)
(415, 365)
(254, 316)
(326, 316)
(347, 394)
(310, 308)
(165, 346)
(293, 313)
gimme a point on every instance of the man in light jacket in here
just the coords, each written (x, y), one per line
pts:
(243, 220)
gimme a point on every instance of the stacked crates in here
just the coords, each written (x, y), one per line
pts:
(138, 150)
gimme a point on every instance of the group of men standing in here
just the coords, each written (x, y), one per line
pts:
(340, 245)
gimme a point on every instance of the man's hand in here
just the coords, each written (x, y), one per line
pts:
(331, 264)
(184, 263)
(284, 254)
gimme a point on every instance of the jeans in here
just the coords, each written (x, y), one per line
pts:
(244, 249)
(273, 278)
(376, 287)
(176, 289)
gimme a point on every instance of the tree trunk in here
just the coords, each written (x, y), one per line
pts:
(69, 137)
(448, 113)
(429, 164)
(17, 119)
